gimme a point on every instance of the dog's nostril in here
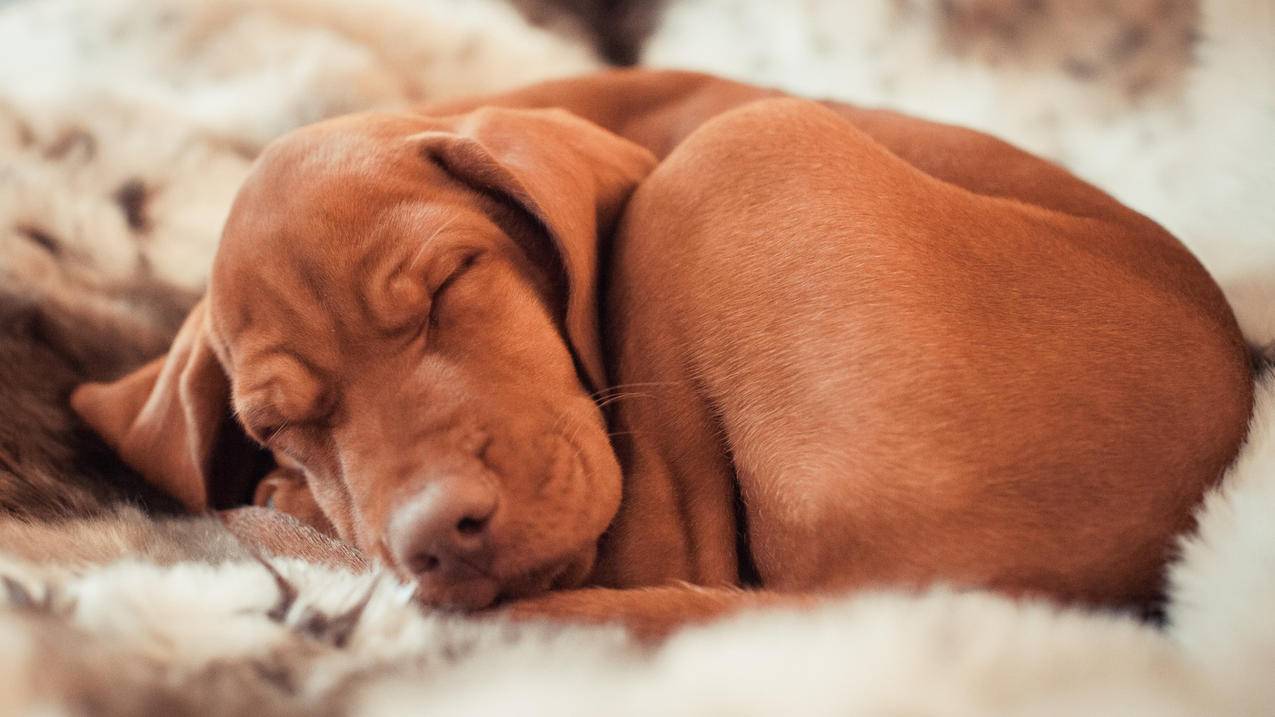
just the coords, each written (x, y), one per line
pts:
(444, 531)
(471, 526)
(423, 563)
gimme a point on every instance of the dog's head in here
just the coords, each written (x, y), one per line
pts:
(404, 310)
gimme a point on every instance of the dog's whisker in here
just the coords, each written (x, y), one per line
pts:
(624, 394)
(575, 435)
(596, 395)
(614, 434)
(623, 397)
(278, 429)
(559, 421)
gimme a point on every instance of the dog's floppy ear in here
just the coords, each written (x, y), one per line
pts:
(167, 420)
(571, 175)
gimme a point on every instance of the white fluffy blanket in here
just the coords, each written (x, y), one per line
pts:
(179, 95)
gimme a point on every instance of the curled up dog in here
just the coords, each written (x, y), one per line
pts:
(613, 348)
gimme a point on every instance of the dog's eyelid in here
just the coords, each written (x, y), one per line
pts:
(253, 416)
(466, 260)
(462, 260)
(260, 423)
(464, 264)
(267, 426)
(274, 434)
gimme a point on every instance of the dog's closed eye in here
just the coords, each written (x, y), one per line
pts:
(272, 434)
(262, 426)
(461, 267)
(294, 441)
(465, 263)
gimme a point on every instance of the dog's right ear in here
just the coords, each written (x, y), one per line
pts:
(167, 419)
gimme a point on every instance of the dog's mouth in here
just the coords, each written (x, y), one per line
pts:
(520, 555)
(481, 591)
(467, 596)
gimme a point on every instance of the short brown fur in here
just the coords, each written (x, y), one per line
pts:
(911, 352)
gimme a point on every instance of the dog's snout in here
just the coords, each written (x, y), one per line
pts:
(443, 533)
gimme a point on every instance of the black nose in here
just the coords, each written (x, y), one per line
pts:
(442, 533)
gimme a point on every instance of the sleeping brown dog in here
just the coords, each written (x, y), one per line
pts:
(816, 348)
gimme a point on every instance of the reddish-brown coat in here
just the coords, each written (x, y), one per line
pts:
(916, 353)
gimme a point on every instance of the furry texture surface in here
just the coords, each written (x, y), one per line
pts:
(125, 128)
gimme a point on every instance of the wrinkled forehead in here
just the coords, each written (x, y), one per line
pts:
(323, 177)
(325, 213)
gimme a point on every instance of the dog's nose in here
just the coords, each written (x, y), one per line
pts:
(443, 531)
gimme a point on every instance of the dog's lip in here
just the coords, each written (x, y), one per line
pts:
(541, 580)
(484, 591)
(475, 593)
(480, 590)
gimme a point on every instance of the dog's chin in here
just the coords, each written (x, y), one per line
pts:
(564, 574)
(468, 596)
(481, 592)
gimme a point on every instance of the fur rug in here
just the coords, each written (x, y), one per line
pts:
(126, 126)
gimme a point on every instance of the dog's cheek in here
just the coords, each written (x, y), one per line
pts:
(600, 476)
(578, 571)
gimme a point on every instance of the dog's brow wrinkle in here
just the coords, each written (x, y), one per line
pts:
(312, 280)
(364, 267)
(265, 376)
(275, 293)
(429, 240)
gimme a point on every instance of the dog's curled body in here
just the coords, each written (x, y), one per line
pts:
(836, 348)
(943, 383)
